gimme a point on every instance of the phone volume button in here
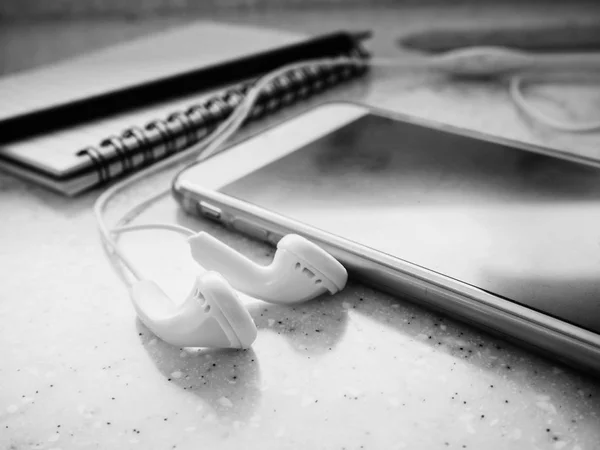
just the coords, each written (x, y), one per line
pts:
(210, 211)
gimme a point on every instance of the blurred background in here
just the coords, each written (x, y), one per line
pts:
(31, 9)
(36, 32)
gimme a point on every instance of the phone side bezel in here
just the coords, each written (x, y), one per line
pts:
(539, 331)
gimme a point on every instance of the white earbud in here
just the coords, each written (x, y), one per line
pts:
(300, 270)
(211, 316)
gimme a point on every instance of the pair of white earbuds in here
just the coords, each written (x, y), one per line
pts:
(212, 315)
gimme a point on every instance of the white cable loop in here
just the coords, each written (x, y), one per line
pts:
(516, 94)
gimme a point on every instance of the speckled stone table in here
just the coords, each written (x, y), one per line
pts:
(360, 370)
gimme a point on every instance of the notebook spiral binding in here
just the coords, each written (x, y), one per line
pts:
(137, 147)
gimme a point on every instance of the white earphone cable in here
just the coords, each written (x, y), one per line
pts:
(516, 93)
(210, 144)
(154, 226)
(214, 141)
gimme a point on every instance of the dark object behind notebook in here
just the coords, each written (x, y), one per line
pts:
(541, 38)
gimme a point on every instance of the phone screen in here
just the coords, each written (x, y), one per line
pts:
(518, 224)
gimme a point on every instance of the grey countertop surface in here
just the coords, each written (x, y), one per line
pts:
(360, 370)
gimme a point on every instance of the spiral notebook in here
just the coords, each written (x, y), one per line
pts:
(81, 123)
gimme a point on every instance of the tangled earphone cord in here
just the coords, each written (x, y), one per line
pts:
(474, 61)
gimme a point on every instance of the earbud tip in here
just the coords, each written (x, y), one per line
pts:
(321, 260)
(212, 315)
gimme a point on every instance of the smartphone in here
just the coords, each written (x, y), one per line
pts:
(497, 233)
